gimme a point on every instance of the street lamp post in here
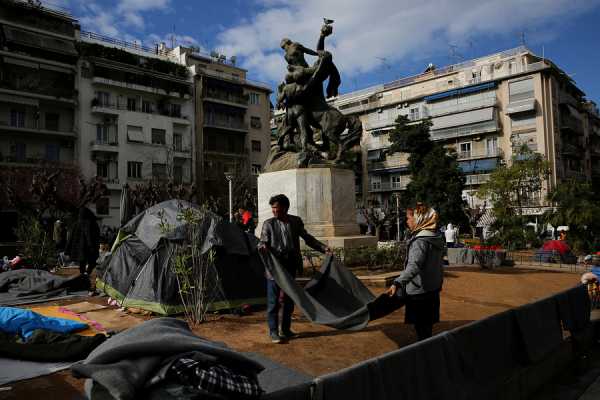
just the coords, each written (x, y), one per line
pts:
(229, 177)
(398, 217)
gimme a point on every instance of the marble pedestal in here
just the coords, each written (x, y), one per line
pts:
(322, 197)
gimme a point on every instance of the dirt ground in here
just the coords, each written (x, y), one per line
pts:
(469, 294)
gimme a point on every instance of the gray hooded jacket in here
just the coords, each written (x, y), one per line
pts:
(423, 271)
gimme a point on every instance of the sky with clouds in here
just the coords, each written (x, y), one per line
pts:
(374, 41)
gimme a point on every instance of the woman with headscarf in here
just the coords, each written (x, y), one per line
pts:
(420, 282)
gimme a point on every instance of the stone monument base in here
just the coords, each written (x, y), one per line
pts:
(323, 197)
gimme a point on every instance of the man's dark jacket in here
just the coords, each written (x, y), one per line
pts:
(271, 238)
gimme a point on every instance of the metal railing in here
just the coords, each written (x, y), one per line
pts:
(463, 155)
(476, 179)
(140, 109)
(387, 186)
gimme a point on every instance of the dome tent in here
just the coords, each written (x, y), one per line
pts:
(138, 272)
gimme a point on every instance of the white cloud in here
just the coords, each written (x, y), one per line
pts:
(111, 19)
(366, 31)
(100, 22)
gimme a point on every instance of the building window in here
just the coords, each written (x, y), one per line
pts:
(254, 98)
(135, 134)
(159, 136)
(18, 151)
(131, 104)
(102, 206)
(231, 145)
(147, 107)
(52, 152)
(255, 169)
(464, 150)
(177, 142)
(175, 110)
(102, 168)
(17, 118)
(211, 143)
(103, 99)
(521, 90)
(178, 174)
(52, 121)
(414, 114)
(255, 122)
(256, 146)
(159, 171)
(491, 147)
(375, 182)
(134, 169)
(396, 182)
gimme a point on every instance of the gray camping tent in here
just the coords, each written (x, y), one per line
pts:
(138, 272)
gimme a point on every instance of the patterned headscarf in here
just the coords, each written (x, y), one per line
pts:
(426, 218)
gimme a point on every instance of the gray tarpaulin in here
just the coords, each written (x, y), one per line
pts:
(28, 285)
(335, 297)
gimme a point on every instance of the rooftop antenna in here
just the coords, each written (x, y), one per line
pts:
(522, 38)
(173, 37)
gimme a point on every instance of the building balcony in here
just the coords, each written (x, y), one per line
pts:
(470, 155)
(387, 186)
(476, 179)
(227, 100)
(221, 153)
(458, 108)
(62, 97)
(465, 130)
(104, 146)
(112, 183)
(14, 161)
(31, 128)
(570, 123)
(184, 152)
(231, 126)
(116, 109)
(97, 80)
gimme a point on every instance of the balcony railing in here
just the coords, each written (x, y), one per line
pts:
(226, 125)
(465, 155)
(571, 123)
(387, 186)
(33, 126)
(98, 105)
(477, 179)
(53, 89)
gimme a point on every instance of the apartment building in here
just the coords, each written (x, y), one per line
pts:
(136, 113)
(232, 123)
(483, 109)
(38, 87)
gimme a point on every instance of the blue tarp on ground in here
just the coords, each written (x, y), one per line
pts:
(24, 322)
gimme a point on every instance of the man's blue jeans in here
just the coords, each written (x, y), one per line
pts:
(273, 307)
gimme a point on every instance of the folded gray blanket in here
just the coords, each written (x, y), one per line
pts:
(126, 365)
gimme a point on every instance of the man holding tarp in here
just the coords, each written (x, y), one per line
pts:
(281, 236)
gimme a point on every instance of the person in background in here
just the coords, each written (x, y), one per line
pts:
(420, 282)
(246, 220)
(451, 234)
(281, 236)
